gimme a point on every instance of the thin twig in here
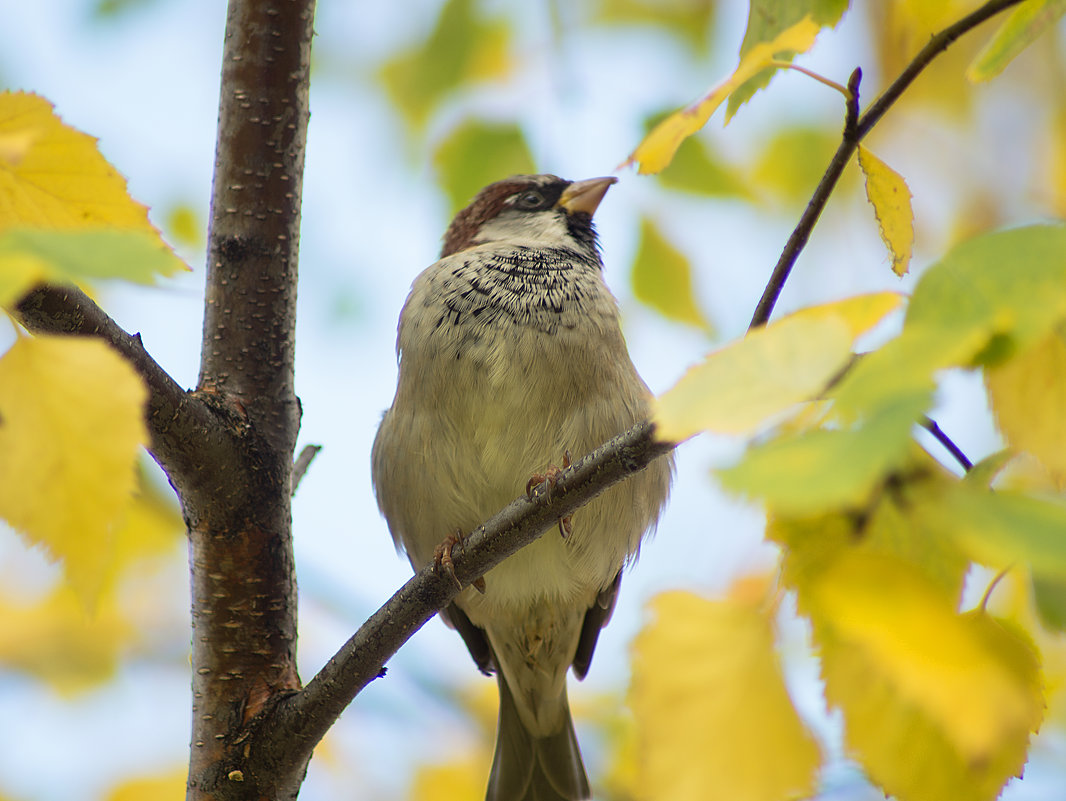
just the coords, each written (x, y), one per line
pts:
(930, 425)
(854, 132)
(303, 461)
(821, 195)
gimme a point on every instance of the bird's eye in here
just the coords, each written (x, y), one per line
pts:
(530, 200)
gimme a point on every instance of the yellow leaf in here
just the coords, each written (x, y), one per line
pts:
(657, 150)
(891, 199)
(71, 424)
(462, 47)
(898, 746)
(61, 180)
(19, 272)
(750, 382)
(890, 525)
(860, 312)
(698, 740)
(1019, 30)
(902, 28)
(662, 278)
(163, 787)
(1028, 395)
(184, 223)
(14, 145)
(460, 780)
(963, 676)
(766, 19)
(65, 213)
(150, 527)
(768, 372)
(1054, 159)
(55, 641)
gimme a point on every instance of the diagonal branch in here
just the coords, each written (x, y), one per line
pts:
(183, 430)
(854, 132)
(297, 724)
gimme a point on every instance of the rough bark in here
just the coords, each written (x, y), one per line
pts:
(243, 578)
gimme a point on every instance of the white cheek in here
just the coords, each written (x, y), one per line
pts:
(540, 230)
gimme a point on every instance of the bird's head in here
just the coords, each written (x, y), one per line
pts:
(542, 211)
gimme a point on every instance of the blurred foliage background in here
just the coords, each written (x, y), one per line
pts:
(416, 105)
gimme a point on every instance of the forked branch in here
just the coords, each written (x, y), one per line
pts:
(855, 129)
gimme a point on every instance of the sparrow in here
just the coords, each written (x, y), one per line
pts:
(511, 357)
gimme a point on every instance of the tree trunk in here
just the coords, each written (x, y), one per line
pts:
(243, 579)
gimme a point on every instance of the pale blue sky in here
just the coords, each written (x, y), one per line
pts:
(147, 86)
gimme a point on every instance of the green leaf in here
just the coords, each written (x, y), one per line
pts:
(1050, 599)
(1007, 288)
(770, 372)
(793, 161)
(691, 21)
(898, 369)
(766, 19)
(985, 471)
(1004, 527)
(461, 48)
(696, 168)
(64, 256)
(825, 469)
(1020, 30)
(662, 278)
(477, 153)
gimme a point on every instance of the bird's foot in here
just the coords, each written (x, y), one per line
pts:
(548, 479)
(442, 560)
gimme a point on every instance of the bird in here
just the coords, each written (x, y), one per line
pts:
(510, 357)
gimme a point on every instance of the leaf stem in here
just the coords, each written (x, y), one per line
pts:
(992, 586)
(788, 65)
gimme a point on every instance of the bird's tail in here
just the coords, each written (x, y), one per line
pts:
(530, 768)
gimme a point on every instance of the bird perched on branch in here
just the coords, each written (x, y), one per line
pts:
(511, 357)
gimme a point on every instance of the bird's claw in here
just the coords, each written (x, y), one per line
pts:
(565, 526)
(548, 479)
(442, 560)
(442, 556)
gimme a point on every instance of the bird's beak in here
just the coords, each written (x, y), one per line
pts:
(585, 195)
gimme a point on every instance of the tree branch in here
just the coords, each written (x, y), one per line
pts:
(183, 430)
(301, 720)
(289, 731)
(854, 132)
(802, 232)
(930, 425)
(303, 461)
